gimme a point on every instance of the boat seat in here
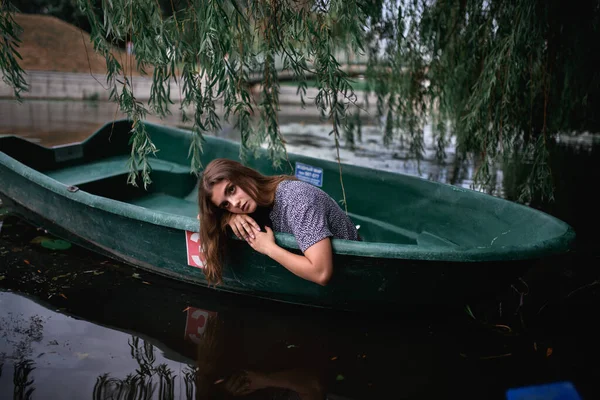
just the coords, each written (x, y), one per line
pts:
(107, 168)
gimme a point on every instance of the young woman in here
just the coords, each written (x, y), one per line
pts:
(230, 193)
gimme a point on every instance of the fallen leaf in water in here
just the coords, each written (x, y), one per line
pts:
(340, 377)
(333, 358)
(147, 283)
(39, 271)
(185, 309)
(39, 239)
(27, 262)
(62, 295)
(549, 352)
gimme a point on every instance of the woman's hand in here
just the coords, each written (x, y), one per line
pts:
(263, 242)
(243, 226)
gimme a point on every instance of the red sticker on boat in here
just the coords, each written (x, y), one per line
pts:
(195, 325)
(195, 255)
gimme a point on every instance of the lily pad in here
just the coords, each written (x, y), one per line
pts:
(55, 244)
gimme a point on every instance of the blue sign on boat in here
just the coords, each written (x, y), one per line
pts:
(310, 174)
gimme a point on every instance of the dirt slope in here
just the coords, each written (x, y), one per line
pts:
(50, 44)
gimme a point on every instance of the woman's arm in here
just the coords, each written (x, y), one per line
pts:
(316, 265)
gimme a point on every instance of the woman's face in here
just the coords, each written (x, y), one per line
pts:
(232, 198)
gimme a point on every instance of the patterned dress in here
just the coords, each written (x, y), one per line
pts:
(310, 214)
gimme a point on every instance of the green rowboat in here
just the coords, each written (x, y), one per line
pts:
(423, 242)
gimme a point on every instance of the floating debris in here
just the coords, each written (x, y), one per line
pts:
(61, 276)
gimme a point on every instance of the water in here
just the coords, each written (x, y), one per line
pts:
(77, 325)
(52, 123)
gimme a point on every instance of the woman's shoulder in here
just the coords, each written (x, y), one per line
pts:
(297, 188)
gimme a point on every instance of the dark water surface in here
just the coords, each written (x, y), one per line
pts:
(76, 325)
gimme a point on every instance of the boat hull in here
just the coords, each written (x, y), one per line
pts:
(358, 282)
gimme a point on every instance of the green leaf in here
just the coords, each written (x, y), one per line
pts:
(55, 244)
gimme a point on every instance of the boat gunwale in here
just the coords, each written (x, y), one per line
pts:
(385, 250)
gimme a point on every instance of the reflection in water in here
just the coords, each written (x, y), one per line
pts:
(20, 334)
(215, 376)
(22, 380)
(147, 382)
(210, 377)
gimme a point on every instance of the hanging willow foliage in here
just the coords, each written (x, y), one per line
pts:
(12, 73)
(504, 77)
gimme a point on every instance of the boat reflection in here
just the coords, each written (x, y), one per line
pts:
(220, 369)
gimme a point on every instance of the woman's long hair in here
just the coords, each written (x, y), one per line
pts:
(213, 223)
